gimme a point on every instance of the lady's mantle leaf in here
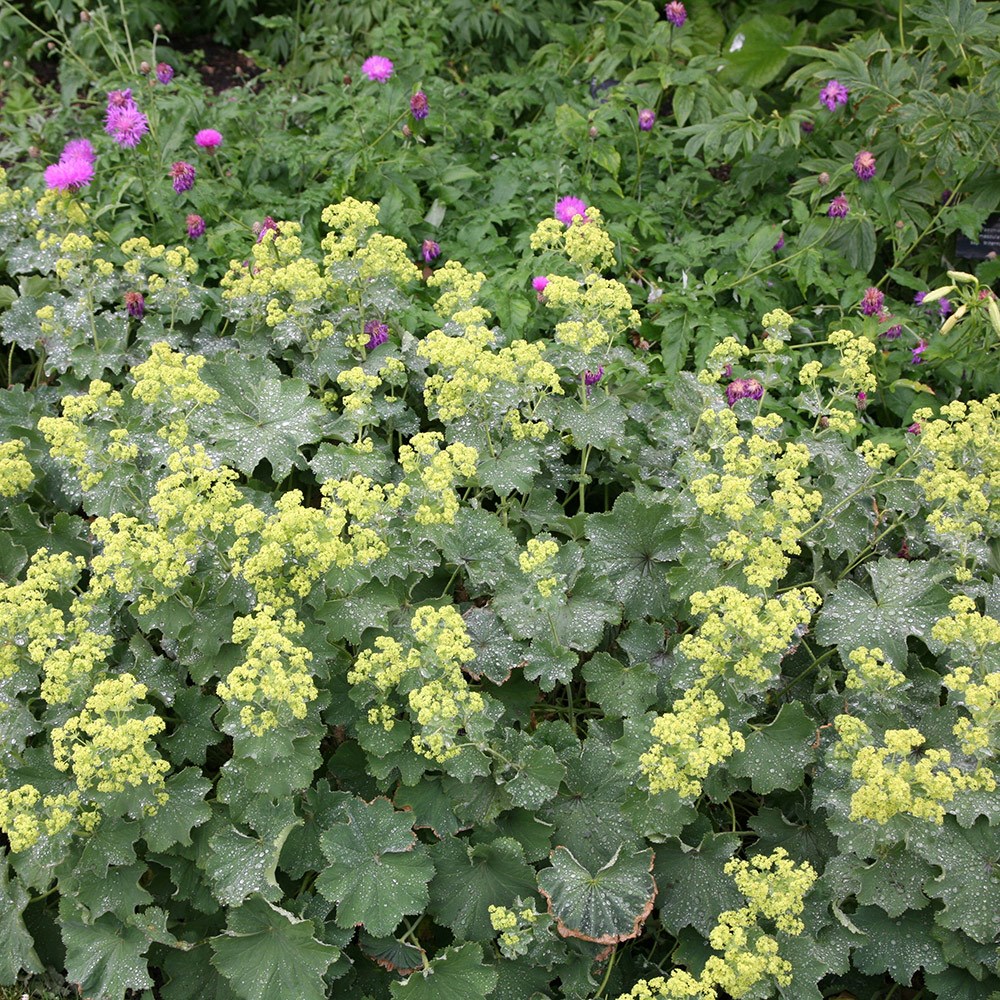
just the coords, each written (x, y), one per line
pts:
(267, 952)
(908, 601)
(898, 946)
(777, 755)
(377, 872)
(105, 957)
(17, 950)
(605, 906)
(455, 974)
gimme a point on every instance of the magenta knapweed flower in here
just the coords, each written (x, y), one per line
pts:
(164, 72)
(126, 124)
(261, 229)
(195, 226)
(780, 243)
(864, 165)
(120, 98)
(378, 333)
(872, 302)
(839, 207)
(69, 174)
(743, 388)
(430, 251)
(833, 95)
(675, 13)
(914, 428)
(208, 138)
(916, 352)
(377, 68)
(78, 149)
(135, 304)
(418, 105)
(918, 297)
(567, 209)
(647, 119)
(592, 378)
(945, 308)
(540, 283)
(894, 332)
(862, 400)
(183, 176)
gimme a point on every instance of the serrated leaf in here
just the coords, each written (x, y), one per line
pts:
(619, 689)
(607, 905)
(238, 865)
(260, 415)
(105, 957)
(267, 952)
(392, 954)
(470, 878)
(908, 600)
(899, 946)
(185, 810)
(497, 653)
(537, 775)
(549, 663)
(600, 425)
(17, 949)
(191, 974)
(693, 888)
(377, 870)
(777, 755)
(763, 53)
(454, 974)
(478, 542)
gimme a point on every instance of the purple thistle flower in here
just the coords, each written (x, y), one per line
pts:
(780, 244)
(945, 308)
(78, 149)
(418, 105)
(864, 165)
(378, 333)
(839, 207)
(872, 302)
(261, 229)
(918, 298)
(164, 72)
(675, 13)
(916, 352)
(195, 226)
(69, 174)
(135, 304)
(120, 98)
(208, 138)
(894, 332)
(430, 251)
(590, 379)
(540, 283)
(862, 400)
(833, 95)
(743, 388)
(914, 428)
(647, 119)
(807, 127)
(126, 124)
(183, 176)
(567, 209)
(377, 68)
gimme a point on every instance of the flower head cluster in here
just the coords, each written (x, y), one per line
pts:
(872, 302)
(522, 929)
(833, 95)
(675, 13)
(195, 226)
(208, 138)
(569, 209)
(537, 561)
(647, 119)
(430, 251)
(434, 471)
(839, 207)
(75, 168)
(864, 165)
(377, 68)
(124, 122)
(182, 175)
(743, 388)
(164, 72)
(418, 106)
(16, 474)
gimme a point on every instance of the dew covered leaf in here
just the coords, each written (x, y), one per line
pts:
(470, 878)
(239, 865)
(266, 951)
(453, 974)
(17, 949)
(480, 545)
(617, 688)
(377, 872)
(777, 755)
(908, 600)
(105, 957)
(897, 945)
(185, 810)
(606, 905)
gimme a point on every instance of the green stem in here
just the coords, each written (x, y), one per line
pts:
(899, 16)
(607, 974)
(583, 472)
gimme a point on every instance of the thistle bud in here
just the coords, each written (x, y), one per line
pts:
(85, 16)
(823, 179)
(144, 67)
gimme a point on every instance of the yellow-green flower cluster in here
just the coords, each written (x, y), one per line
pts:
(960, 478)
(433, 472)
(875, 455)
(721, 359)
(768, 520)
(26, 815)
(585, 243)
(775, 888)
(16, 474)
(850, 376)
(430, 674)
(776, 324)
(517, 927)
(108, 747)
(744, 636)
(689, 740)
(349, 222)
(170, 383)
(69, 437)
(898, 778)
(536, 561)
(274, 680)
(871, 674)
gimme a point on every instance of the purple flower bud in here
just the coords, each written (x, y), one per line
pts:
(780, 244)
(945, 308)
(208, 138)
(914, 428)
(743, 388)
(195, 226)
(839, 207)
(267, 226)
(539, 283)
(378, 333)
(893, 333)
(183, 176)
(135, 304)
(647, 119)
(917, 352)
(675, 13)
(862, 400)
(418, 105)
(592, 378)
(430, 251)
(872, 302)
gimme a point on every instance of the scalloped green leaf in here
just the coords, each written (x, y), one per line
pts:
(185, 810)
(238, 865)
(897, 945)
(454, 974)
(17, 949)
(619, 689)
(777, 755)
(607, 905)
(105, 957)
(378, 871)
(266, 951)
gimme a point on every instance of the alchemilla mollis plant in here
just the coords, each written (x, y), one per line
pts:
(426, 579)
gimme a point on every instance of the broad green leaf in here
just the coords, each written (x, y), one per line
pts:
(104, 957)
(480, 545)
(267, 952)
(762, 54)
(396, 956)
(894, 880)
(606, 905)
(377, 870)
(908, 600)
(957, 984)
(496, 652)
(470, 878)
(693, 888)
(619, 689)
(824, 948)
(191, 974)
(777, 755)
(549, 663)
(239, 865)
(173, 822)
(899, 946)
(320, 808)
(260, 415)
(431, 807)
(454, 974)
(513, 470)
(600, 425)
(17, 949)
